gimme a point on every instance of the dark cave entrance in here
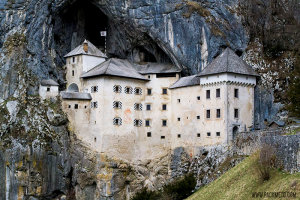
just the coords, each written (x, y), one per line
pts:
(83, 19)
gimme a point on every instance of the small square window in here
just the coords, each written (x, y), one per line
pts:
(148, 107)
(73, 59)
(162, 137)
(149, 76)
(117, 88)
(148, 134)
(73, 73)
(164, 122)
(76, 106)
(208, 134)
(207, 94)
(198, 134)
(218, 114)
(178, 119)
(218, 133)
(198, 98)
(147, 122)
(164, 107)
(69, 106)
(179, 135)
(236, 93)
(218, 92)
(137, 91)
(207, 114)
(164, 91)
(48, 89)
(94, 89)
(128, 90)
(198, 117)
(149, 91)
(94, 104)
(236, 113)
(178, 100)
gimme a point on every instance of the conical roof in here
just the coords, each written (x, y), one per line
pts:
(114, 67)
(228, 62)
(92, 51)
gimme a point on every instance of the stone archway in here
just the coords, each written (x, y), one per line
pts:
(73, 88)
(235, 131)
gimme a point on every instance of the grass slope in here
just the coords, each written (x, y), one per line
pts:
(242, 180)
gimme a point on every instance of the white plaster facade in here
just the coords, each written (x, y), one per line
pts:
(177, 116)
(48, 89)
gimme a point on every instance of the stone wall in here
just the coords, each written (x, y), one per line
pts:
(286, 146)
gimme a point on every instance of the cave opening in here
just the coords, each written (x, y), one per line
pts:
(83, 19)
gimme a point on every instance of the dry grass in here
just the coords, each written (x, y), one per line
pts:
(242, 180)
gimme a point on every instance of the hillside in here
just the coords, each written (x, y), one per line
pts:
(242, 181)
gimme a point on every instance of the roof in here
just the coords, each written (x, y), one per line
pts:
(186, 81)
(76, 95)
(92, 51)
(279, 123)
(49, 82)
(114, 67)
(156, 68)
(229, 62)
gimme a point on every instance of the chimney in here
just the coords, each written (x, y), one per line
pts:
(85, 46)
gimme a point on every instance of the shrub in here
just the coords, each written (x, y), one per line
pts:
(145, 194)
(265, 162)
(181, 188)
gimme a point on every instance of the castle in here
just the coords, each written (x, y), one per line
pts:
(143, 111)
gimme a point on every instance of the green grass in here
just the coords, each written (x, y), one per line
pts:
(242, 180)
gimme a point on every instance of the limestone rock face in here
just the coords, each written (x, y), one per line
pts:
(39, 157)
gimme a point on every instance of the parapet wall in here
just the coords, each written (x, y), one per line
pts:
(286, 147)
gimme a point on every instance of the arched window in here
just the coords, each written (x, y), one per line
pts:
(128, 90)
(138, 91)
(117, 104)
(117, 121)
(117, 88)
(73, 88)
(138, 106)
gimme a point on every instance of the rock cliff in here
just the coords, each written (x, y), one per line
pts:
(41, 159)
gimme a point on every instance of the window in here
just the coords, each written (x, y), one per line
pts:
(208, 94)
(138, 106)
(73, 59)
(164, 107)
(218, 92)
(148, 106)
(138, 91)
(73, 73)
(94, 104)
(198, 98)
(48, 89)
(236, 93)
(128, 90)
(198, 134)
(117, 104)
(76, 106)
(208, 134)
(218, 113)
(147, 122)
(117, 88)
(94, 89)
(162, 137)
(85, 107)
(178, 119)
(149, 91)
(218, 134)
(149, 76)
(165, 75)
(117, 121)
(148, 134)
(179, 135)
(95, 139)
(164, 122)
(178, 100)
(164, 91)
(208, 114)
(69, 106)
(236, 113)
(137, 122)
(198, 117)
